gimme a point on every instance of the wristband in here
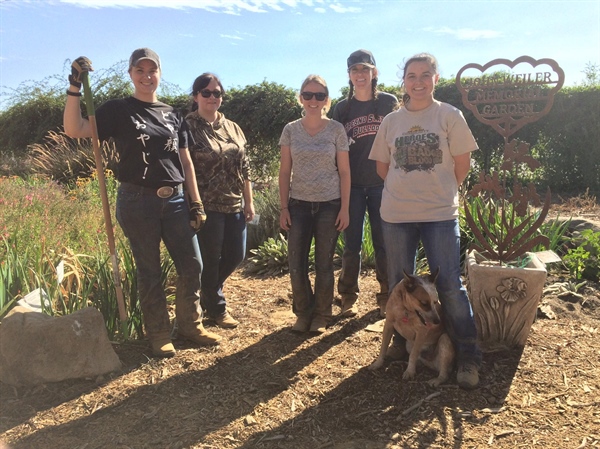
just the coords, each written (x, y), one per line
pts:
(73, 94)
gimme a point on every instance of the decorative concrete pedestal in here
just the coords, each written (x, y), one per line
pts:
(504, 300)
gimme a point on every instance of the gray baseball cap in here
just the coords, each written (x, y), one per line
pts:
(143, 53)
(364, 57)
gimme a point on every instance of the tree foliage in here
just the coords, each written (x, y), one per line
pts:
(262, 110)
(566, 141)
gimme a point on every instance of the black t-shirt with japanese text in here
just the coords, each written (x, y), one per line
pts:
(147, 137)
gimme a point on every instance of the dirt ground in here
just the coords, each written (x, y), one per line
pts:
(266, 387)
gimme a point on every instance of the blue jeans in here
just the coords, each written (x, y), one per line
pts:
(223, 247)
(441, 241)
(312, 219)
(361, 200)
(146, 220)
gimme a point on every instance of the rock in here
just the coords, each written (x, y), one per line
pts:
(37, 348)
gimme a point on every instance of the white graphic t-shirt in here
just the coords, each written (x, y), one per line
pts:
(419, 147)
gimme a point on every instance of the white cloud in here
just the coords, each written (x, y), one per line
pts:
(234, 7)
(339, 7)
(229, 36)
(466, 34)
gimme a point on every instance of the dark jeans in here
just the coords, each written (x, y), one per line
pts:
(312, 219)
(361, 200)
(146, 220)
(441, 241)
(223, 247)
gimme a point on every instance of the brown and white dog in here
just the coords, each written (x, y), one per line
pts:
(414, 309)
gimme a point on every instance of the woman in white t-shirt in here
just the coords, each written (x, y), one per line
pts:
(314, 190)
(423, 152)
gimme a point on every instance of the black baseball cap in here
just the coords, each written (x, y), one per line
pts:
(364, 57)
(143, 53)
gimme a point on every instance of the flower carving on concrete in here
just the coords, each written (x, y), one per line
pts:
(512, 289)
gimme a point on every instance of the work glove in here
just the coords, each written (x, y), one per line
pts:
(80, 65)
(197, 215)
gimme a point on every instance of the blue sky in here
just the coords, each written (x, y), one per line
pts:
(248, 41)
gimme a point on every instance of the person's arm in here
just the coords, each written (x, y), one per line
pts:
(285, 176)
(343, 164)
(248, 201)
(462, 165)
(382, 169)
(191, 186)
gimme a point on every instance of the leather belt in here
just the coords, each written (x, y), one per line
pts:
(161, 192)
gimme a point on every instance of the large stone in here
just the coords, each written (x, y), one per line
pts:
(36, 348)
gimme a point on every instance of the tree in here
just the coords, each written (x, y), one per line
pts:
(262, 110)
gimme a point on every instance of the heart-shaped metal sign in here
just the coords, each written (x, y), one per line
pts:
(508, 101)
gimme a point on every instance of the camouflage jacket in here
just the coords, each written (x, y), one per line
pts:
(220, 162)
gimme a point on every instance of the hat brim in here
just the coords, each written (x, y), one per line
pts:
(362, 63)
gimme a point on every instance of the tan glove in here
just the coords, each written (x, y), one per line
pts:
(197, 215)
(80, 65)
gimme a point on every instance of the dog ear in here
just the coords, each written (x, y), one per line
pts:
(410, 282)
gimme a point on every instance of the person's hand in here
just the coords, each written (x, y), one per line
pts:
(285, 221)
(197, 215)
(78, 67)
(249, 212)
(342, 221)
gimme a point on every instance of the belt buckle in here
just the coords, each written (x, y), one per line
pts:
(165, 192)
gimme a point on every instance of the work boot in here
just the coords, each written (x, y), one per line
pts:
(302, 324)
(161, 344)
(225, 320)
(467, 376)
(199, 335)
(318, 324)
(189, 323)
(349, 308)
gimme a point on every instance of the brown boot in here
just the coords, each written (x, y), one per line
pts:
(161, 345)
(189, 323)
(349, 308)
(199, 335)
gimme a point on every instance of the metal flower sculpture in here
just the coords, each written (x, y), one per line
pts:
(504, 223)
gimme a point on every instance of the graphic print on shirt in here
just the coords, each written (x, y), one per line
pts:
(417, 149)
(365, 125)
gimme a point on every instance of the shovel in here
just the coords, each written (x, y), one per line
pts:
(89, 102)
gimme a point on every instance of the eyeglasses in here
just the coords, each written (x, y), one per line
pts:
(207, 93)
(320, 96)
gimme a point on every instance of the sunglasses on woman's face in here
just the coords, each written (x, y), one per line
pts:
(320, 96)
(207, 93)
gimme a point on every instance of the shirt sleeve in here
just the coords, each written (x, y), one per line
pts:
(380, 150)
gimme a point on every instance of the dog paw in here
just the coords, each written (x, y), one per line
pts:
(408, 374)
(435, 382)
(376, 365)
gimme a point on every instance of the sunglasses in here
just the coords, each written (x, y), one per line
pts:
(320, 96)
(207, 93)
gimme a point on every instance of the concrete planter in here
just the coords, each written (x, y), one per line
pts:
(504, 300)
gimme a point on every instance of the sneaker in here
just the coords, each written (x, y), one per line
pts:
(301, 325)
(467, 376)
(318, 325)
(225, 320)
(349, 308)
(162, 347)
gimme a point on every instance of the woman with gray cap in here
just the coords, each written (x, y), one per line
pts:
(361, 113)
(152, 142)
